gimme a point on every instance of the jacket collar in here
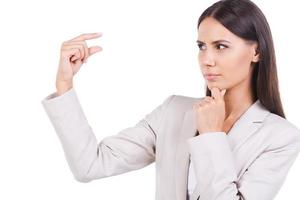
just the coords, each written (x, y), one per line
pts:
(242, 129)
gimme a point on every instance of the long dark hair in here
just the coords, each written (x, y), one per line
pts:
(244, 19)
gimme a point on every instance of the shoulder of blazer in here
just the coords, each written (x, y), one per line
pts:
(280, 123)
(185, 102)
(178, 106)
(282, 131)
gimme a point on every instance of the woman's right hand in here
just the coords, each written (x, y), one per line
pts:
(73, 54)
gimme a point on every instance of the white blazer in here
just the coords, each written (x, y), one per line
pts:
(249, 163)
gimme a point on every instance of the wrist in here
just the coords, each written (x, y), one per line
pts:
(62, 87)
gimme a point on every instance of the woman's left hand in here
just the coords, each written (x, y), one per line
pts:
(211, 112)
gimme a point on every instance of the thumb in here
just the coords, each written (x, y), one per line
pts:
(94, 49)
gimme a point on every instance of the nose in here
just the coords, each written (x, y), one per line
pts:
(206, 59)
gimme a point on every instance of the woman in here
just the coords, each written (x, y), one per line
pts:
(234, 143)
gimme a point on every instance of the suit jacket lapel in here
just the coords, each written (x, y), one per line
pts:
(246, 125)
(242, 129)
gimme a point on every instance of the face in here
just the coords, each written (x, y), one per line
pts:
(225, 54)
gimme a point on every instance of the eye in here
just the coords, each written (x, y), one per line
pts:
(221, 46)
(201, 46)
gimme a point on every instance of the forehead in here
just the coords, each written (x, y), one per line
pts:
(211, 30)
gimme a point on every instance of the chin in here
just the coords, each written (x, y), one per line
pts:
(210, 86)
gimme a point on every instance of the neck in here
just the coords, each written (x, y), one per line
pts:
(237, 100)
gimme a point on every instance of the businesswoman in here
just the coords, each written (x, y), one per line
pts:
(233, 143)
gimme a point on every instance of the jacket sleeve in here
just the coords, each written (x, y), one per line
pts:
(132, 148)
(217, 176)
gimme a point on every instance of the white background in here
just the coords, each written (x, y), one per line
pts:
(149, 52)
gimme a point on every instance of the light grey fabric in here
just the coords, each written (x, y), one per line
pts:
(191, 180)
(250, 163)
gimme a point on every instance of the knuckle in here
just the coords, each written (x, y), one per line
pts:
(208, 98)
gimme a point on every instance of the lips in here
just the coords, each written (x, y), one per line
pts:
(211, 76)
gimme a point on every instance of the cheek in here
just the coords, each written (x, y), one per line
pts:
(235, 67)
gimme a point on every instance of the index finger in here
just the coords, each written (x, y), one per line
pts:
(86, 36)
(215, 92)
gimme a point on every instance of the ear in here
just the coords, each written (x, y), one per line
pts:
(255, 57)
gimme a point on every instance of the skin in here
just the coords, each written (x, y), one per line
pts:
(232, 60)
(73, 54)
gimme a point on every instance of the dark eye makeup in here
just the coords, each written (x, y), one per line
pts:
(218, 46)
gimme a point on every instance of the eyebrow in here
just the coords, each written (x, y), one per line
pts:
(214, 42)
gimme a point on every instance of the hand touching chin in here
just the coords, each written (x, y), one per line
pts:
(211, 112)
